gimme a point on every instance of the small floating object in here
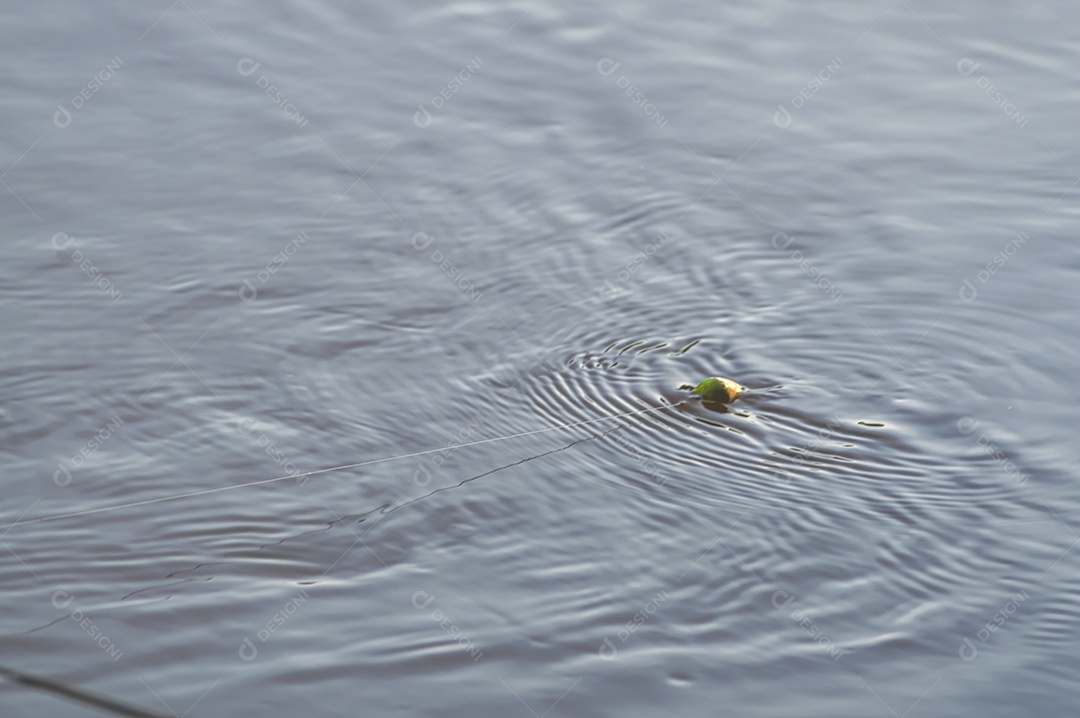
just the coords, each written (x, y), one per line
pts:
(718, 389)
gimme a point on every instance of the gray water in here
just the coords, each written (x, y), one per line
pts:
(241, 244)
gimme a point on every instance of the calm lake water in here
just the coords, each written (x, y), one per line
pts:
(242, 244)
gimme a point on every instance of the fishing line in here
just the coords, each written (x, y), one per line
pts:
(203, 492)
(77, 694)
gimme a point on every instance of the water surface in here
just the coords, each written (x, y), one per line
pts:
(243, 245)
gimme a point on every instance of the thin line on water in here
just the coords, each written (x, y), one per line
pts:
(203, 492)
(77, 694)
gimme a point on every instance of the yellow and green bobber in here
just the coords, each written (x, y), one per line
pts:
(719, 390)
